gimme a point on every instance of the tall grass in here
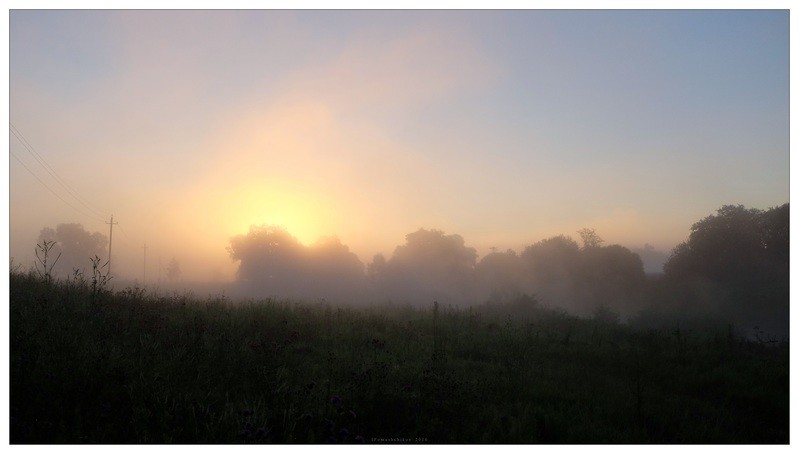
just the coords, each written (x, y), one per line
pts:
(133, 367)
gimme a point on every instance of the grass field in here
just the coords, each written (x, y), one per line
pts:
(129, 367)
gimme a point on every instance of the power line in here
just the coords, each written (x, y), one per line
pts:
(51, 190)
(46, 166)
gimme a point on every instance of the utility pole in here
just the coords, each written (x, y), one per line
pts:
(144, 278)
(110, 238)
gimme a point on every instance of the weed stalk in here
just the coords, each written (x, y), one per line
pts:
(46, 271)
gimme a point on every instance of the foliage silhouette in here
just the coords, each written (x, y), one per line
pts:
(76, 247)
(733, 267)
(275, 263)
(500, 276)
(584, 279)
(590, 238)
(43, 255)
(735, 262)
(430, 266)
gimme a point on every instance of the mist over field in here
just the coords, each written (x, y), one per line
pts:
(732, 268)
(345, 226)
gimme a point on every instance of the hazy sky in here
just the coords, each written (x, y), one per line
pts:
(505, 127)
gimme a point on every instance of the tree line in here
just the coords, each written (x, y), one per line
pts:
(434, 266)
(734, 265)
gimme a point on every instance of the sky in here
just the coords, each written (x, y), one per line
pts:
(506, 127)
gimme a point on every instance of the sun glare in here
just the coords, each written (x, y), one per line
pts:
(299, 212)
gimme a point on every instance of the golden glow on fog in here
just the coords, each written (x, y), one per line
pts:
(298, 210)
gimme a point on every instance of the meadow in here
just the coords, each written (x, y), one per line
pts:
(89, 365)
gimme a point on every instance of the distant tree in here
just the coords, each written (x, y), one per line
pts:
(581, 279)
(330, 255)
(500, 275)
(378, 266)
(336, 272)
(173, 270)
(612, 277)
(268, 255)
(275, 263)
(553, 259)
(612, 265)
(550, 268)
(430, 265)
(76, 246)
(433, 246)
(590, 238)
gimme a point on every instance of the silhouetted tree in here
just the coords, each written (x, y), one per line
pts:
(736, 261)
(582, 279)
(430, 266)
(723, 247)
(611, 277)
(552, 258)
(270, 261)
(776, 232)
(76, 246)
(377, 267)
(337, 273)
(550, 269)
(500, 275)
(590, 238)
(269, 255)
(274, 263)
